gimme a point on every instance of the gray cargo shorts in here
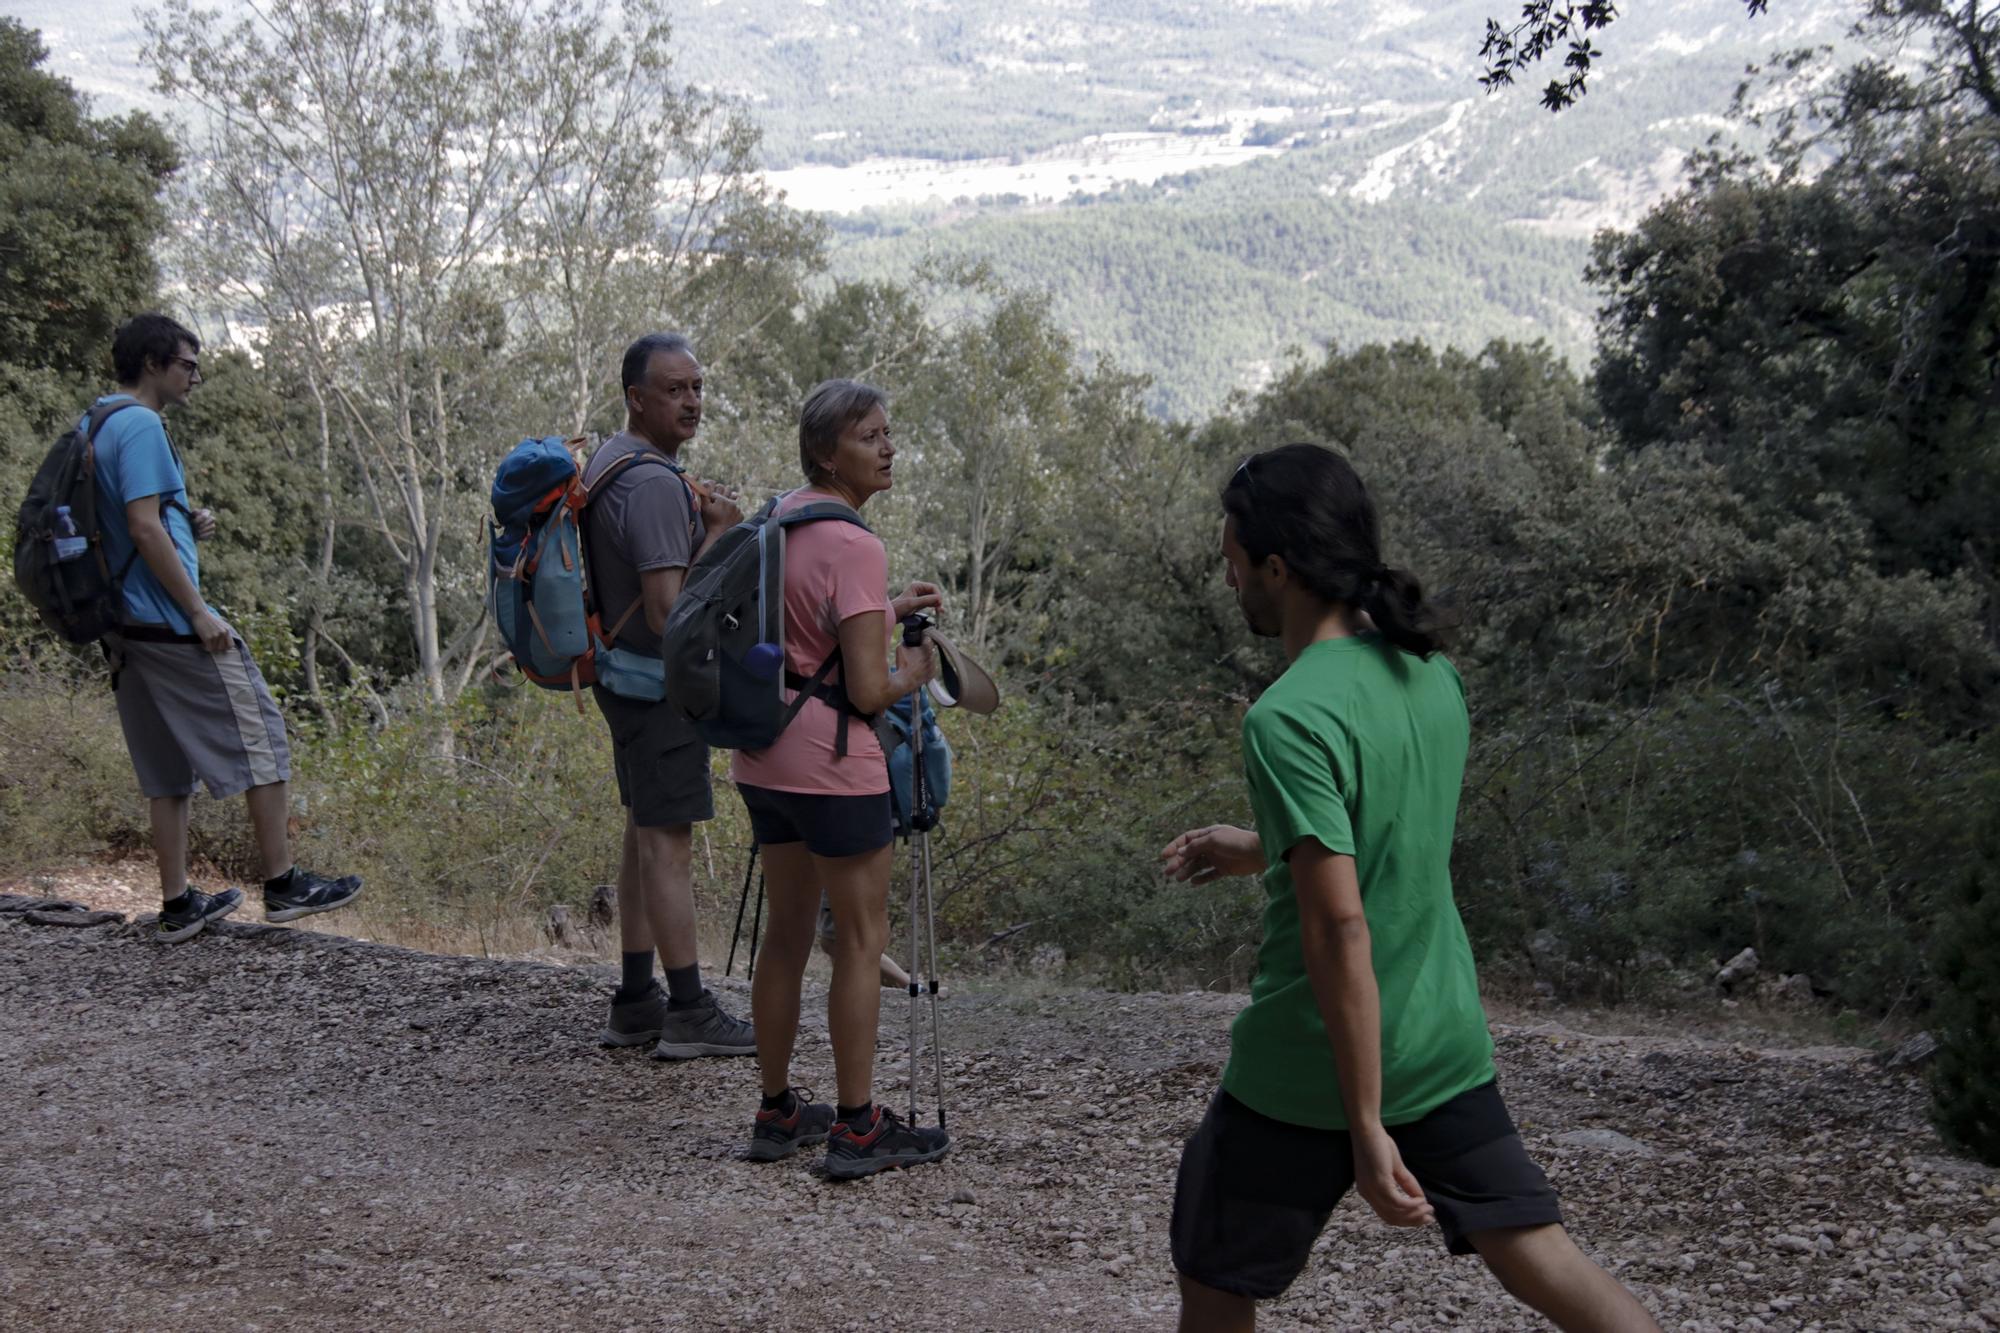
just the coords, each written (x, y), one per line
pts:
(189, 713)
(662, 765)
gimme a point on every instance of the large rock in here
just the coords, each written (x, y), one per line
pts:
(1737, 970)
(1916, 1051)
(1604, 1140)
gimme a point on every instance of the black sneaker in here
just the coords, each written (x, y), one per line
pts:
(199, 909)
(635, 1022)
(309, 893)
(705, 1028)
(777, 1135)
(883, 1143)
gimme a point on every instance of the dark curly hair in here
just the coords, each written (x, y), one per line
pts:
(149, 339)
(1308, 506)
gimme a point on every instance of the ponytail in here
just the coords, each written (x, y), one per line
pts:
(1307, 505)
(1394, 600)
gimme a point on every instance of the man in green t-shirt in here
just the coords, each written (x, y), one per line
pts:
(1362, 1058)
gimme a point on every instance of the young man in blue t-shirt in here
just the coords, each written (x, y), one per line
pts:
(190, 699)
(1362, 1060)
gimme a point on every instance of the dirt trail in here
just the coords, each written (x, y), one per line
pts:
(268, 1129)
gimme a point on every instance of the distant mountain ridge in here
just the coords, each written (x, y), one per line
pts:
(1386, 195)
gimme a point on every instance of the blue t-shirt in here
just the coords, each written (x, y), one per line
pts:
(134, 460)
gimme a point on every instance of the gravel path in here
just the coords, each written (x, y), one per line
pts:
(268, 1128)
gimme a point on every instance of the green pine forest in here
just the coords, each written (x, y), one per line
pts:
(1710, 497)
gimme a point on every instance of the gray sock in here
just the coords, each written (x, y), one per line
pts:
(684, 986)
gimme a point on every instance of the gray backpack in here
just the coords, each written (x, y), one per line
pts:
(724, 643)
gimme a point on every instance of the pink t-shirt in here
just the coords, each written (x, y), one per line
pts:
(833, 571)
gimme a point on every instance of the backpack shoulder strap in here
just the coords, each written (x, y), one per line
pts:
(823, 509)
(103, 412)
(592, 489)
(691, 487)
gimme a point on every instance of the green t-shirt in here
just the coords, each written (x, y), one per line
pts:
(1362, 747)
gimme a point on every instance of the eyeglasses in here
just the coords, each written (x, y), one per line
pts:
(194, 367)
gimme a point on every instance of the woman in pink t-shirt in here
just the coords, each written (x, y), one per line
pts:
(819, 808)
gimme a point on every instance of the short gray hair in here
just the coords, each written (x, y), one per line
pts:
(640, 355)
(831, 407)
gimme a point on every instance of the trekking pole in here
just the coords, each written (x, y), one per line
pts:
(931, 971)
(916, 873)
(749, 867)
(756, 920)
(913, 637)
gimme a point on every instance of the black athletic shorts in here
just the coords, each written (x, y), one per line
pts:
(662, 765)
(827, 825)
(1255, 1193)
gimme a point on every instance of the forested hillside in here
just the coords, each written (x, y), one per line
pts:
(1397, 200)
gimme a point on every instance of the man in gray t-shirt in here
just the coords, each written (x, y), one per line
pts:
(641, 534)
(648, 518)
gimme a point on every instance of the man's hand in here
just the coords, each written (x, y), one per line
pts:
(1210, 853)
(916, 597)
(718, 508)
(203, 523)
(1383, 1180)
(214, 632)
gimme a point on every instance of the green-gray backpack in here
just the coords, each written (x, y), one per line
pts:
(724, 642)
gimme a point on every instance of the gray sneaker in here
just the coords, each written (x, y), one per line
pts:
(703, 1029)
(635, 1022)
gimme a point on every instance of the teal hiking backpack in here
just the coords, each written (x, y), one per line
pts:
(725, 638)
(537, 584)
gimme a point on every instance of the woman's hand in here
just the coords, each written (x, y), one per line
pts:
(915, 668)
(916, 597)
(1210, 853)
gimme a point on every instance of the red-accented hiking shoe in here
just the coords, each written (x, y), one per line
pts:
(882, 1143)
(779, 1134)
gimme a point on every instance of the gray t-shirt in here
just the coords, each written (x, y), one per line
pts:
(645, 519)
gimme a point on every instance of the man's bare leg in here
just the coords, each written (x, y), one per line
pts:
(169, 818)
(1206, 1310)
(270, 809)
(635, 927)
(1544, 1270)
(666, 891)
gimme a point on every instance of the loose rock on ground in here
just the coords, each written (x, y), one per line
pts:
(269, 1128)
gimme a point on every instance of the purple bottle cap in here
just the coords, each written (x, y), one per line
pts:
(764, 660)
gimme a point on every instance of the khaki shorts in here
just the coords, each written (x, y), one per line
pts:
(191, 714)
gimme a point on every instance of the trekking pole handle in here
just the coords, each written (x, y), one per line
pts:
(913, 630)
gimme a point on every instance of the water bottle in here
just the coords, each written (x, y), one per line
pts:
(764, 660)
(70, 543)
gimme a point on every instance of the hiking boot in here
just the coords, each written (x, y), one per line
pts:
(882, 1144)
(200, 909)
(636, 1022)
(309, 893)
(778, 1135)
(703, 1028)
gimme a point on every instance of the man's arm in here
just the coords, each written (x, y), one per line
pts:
(657, 590)
(156, 548)
(1333, 935)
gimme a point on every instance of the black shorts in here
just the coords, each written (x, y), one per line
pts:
(827, 825)
(1255, 1193)
(662, 765)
